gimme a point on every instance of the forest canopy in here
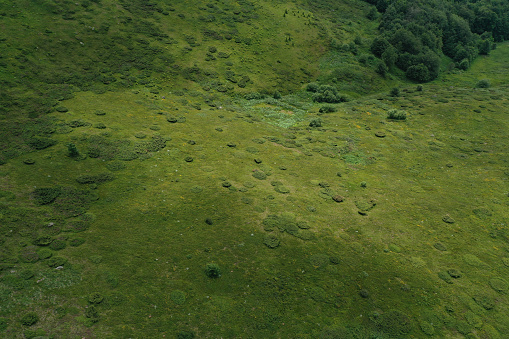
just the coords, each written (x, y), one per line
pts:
(413, 35)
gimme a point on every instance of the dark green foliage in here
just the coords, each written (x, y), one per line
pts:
(41, 143)
(271, 241)
(185, 335)
(484, 83)
(394, 92)
(72, 151)
(327, 109)
(42, 241)
(312, 87)
(178, 297)
(382, 69)
(419, 73)
(55, 262)
(95, 298)
(92, 314)
(29, 319)
(44, 253)
(379, 45)
(464, 64)
(95, 179)
(395, 114)
(46, 195)
(212, 271)
(329, 94)
(315, 123)
(58, 244)
(76, 242)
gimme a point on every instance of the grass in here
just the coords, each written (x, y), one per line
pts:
(363, 247)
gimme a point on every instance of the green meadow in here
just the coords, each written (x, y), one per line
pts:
(166, 173)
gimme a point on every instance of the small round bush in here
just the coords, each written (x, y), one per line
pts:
(212, 271)
(76, 242)
(395, 114)
(178, 297)
(44, 253)
(29, 319)
(271, 241)
(95, 298)
(58, 244)
(484, 83)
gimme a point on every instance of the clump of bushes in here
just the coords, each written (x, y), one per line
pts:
(178, 297)
(29, 319)
(46, 195)
(325, 93)
(271, 241)
(327, 109)
(212, 271)
(395, 114)
(484, 83)
(95, 298)
(315, 123)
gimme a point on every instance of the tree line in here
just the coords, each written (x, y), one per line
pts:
(414, 34)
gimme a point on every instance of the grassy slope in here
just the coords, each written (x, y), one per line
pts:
(148, 237)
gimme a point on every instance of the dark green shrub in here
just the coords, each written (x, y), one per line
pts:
(395, 114)
(315, 123)
(394, 92)
(212, 271)
(382, 69)
(312, 87)
(271, 241)
(484, 83)
(178, 297)
(58, 244)
(418, 73)
(464, 64)
(259, 175)
(56, 262)
(379, 45)
(92, 314)
(95, 298)
(76, 242)
(46, 195)
(72, 151)
(327, 109)
(42, 241)
(41, 143)
(29, 319)
(44, 253)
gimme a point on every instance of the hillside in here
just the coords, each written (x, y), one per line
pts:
(242, 169)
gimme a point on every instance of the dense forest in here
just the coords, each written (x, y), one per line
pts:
(414, 34)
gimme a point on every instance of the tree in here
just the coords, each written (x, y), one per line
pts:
(379, 45)
(419, 73)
